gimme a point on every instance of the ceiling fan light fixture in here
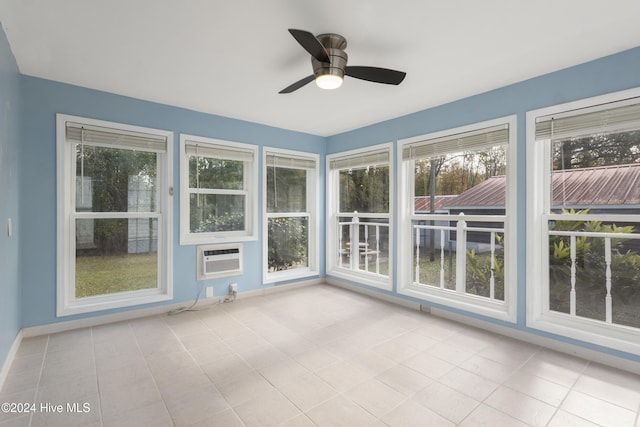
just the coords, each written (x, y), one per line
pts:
(329, 81)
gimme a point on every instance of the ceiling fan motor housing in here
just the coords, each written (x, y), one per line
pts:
(334, 45)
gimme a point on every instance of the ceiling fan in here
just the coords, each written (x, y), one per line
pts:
(329, 62)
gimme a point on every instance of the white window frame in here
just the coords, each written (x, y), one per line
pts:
(313, 191)
(539, 316)
(250, 190)
(501, 310)
(67, 304)
(332, 213)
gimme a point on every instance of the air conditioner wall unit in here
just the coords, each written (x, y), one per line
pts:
(219, 261)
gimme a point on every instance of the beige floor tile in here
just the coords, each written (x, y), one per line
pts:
(262, 356)
(485, 415)
(376, 397)
(396, 349)
(446, 401)
(330, 352)
(520, 406)
(597, 411)
(307, 391)
(538, 388)
(405, 380)
(556, 367)
(565, 419)
(475, 386)
(611, 385)
(116, 398)
(449, 353)
(31, 346)
(270, 409)
(151, 415)
(226, 418)
(196, 406)
(488, 369)
(428, 365)
(282, 373)
(316, 359)
(298, 421)
(27, 396)
(412, 413)
(343, 375)
(340, 412)
(244, 387)
(226, 369)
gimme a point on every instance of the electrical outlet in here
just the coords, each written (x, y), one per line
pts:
(209, 292)
(233, 287)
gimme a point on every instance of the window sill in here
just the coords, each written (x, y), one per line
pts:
(373, 280)
(94, 304)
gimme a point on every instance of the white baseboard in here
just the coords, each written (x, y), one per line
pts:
(550, 343)
(53, 328)
(9, 360)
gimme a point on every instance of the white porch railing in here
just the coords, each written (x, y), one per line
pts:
(461, 229)
(608, 301)
(364, 244)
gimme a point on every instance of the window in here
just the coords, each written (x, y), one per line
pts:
(217, 198)
(290, 221)
(457, 205)
(358, 216)
(114, 215)
(584, 229)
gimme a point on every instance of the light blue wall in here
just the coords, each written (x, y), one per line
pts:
(609, 74)
(42, 99)
(9, 198)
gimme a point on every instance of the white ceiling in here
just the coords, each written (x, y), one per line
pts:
(231, 57)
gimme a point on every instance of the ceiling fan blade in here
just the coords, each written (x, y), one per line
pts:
(376, 74)
(311, 44)
(297, 85)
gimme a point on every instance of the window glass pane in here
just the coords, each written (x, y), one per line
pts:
(473, 182)
(115, 180)
(372, 252)
(365, 190)
(600, 172)
(470, 183)
(115, 255)
(434, 254)
(595, 260)
(288, 243)
(217, 212)
(207, 172)
(286, 190)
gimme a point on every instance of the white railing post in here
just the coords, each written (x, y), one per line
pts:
(417, 255)
(340, 250)
(377, 249)
(441, 258)
(366, 248)
(461, 254)
(355, 241)
(607, 259)
(572, 294)
(492, 280)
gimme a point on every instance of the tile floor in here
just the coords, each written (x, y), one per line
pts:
(316, 356)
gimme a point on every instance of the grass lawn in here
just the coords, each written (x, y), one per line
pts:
(100, 275)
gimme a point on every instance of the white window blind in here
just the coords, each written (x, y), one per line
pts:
(372, 158)
(292, 162)
(467, 141)
(613, 117)
(106, 137)
(206, 149)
